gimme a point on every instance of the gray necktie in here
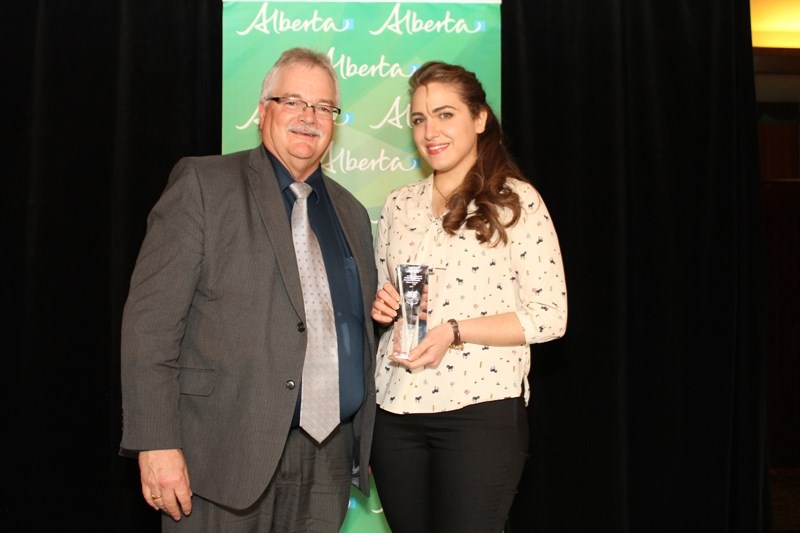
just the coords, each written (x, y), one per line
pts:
(319, 406)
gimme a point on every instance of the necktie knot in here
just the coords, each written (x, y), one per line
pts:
(301, 190)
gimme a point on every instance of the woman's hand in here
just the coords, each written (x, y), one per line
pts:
(430, 350)
(386, 304)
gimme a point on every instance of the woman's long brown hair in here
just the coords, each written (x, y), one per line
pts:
(485, 182)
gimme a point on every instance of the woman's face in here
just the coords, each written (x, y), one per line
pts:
(445, 132)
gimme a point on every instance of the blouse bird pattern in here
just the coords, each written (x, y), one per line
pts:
(470, 279)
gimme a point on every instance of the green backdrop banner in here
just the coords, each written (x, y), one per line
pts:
(374, 46)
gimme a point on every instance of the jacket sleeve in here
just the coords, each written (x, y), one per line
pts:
(154, 319)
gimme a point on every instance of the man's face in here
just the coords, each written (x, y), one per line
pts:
(298, 140)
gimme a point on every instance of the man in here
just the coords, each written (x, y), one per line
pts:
(218, 319)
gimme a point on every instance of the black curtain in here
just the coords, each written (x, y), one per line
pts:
(636, 120)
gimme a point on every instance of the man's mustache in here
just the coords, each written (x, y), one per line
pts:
(305, 129)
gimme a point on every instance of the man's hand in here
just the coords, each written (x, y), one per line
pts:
(165, 481)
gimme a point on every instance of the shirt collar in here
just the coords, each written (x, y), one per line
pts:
(285, 177)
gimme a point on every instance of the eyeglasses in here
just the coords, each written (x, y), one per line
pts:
(297, 106)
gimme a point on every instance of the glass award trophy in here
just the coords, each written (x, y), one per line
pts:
(412, 282)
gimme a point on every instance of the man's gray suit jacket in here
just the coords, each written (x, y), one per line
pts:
(212, 332)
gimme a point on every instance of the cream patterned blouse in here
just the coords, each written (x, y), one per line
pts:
(469, 280)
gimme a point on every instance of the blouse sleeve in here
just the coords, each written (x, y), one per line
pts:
(382, 242)
(538, 268)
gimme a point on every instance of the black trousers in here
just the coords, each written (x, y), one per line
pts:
(455, 471)
(309, 493)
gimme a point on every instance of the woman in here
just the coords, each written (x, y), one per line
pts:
(451, 434)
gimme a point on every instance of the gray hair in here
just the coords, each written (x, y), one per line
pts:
(299, 56)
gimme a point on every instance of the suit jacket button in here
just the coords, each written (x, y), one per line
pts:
(301, 327)
(290, 384)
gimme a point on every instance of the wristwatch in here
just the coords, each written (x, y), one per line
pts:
(456, 344)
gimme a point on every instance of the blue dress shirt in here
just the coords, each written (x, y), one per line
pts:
(344, 285)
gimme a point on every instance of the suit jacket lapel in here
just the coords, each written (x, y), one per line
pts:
(268, 198)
